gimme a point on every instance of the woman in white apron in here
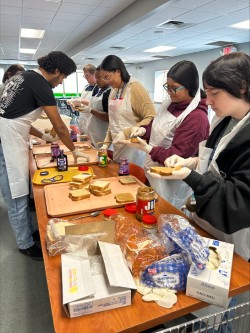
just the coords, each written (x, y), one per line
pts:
(96, 112)
(129, 105)
(17, 112)
(175, 130)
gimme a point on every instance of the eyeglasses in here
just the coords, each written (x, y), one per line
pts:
(54, 179)
(172, 90)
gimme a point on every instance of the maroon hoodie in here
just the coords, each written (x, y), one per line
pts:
(193, 130)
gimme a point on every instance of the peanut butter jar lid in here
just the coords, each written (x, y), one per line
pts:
(149, 219)
(83, 168)
(109, 212)
(130, 208)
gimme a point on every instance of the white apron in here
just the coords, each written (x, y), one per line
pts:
(121, 116)
(241, 238)
(162, 133)
(15, 143)
(83, 117)
(96, 128)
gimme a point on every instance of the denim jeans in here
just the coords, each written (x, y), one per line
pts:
(18, 210)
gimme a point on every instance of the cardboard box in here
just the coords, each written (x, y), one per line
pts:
(212, 286)
(84, 293)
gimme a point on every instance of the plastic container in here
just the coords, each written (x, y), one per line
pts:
(62, 161)
(109, 212)
(149, 222)
(145, 202)
(102, 158)
(55, 149)
(123, 166)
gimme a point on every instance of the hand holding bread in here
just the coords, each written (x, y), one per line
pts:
(137, 131)
(76, 153)
(176, 160)
(139, 144)
(169, 173)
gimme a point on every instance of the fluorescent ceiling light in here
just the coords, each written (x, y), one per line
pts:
(32, 33)
(242, 25)
(160, 49)
(30, 51)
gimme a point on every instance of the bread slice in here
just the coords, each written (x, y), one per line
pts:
(124, 197)
(75, 185)
(83, 178)
(99, 193)
(164, 171)
(79, 194)
(125, 180)
(99, 185)
(134, 140)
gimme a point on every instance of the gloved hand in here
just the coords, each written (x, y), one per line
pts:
(49, 138)
(76, 153)
(119, 138)
(141, 145)
(85, 109)
(137, 131)
(176, 160)
(104, 147)
(179, 174)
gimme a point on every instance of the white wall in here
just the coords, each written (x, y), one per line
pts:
(146, 74)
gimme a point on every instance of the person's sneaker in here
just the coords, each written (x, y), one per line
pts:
(34, 252)
(36, 236)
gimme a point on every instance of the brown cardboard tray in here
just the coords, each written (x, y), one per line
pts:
(46, 148)
(43, 160)
(58, 202)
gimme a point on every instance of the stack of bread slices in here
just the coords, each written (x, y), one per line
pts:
(79, 187)
(100, 188)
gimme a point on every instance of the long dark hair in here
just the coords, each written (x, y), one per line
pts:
(111, 63)
(11, 71)
(231, 73)
(186, 73)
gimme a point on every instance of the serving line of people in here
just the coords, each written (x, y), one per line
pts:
(178, 128)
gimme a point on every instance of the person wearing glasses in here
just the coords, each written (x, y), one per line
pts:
(178, 128)
(90, 89)
(129, 105)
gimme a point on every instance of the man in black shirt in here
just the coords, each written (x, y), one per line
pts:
(24, 98)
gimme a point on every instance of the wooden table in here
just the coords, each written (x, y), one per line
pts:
(140, 315)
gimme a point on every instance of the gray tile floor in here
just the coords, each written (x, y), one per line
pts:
(24, 301)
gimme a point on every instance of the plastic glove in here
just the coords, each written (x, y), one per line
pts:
(142, 145)
(49, 138)
(137, 131)
(176, 160)
(104, 147)
(119, 138)
(85, 109)
(76, 153)
(180, 174)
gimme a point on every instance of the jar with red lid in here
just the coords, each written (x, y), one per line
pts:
(149, 222)
(110, 212)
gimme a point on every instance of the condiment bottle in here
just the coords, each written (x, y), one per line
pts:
(149, 223)
(62, 161)
(123, 166)
(73, 135)
(54, 149)
(145, 202)
(102, 158)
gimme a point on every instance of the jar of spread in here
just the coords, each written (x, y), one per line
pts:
(123, 166)
(73, 135)
(55, 149)
(149, 223)
(145, 202)
(102, 158)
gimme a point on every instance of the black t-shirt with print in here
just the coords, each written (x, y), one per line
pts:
(24, 93)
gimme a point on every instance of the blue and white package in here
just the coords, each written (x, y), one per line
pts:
(184, 235)
(170, 272)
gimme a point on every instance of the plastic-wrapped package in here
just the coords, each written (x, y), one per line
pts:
(170, 272)
(140, 249)
(184, 235)
(59, 243)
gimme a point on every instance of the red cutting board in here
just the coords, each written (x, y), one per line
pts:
(58, 202)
